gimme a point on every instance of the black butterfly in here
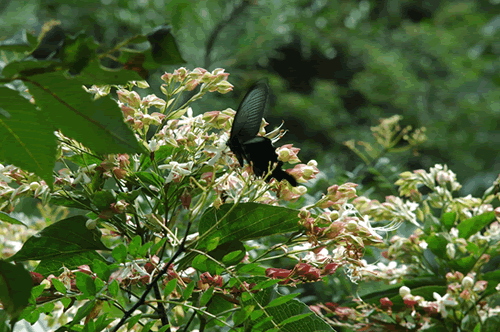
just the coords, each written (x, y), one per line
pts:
(244, 141)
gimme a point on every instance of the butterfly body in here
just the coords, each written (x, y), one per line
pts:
(244, 142)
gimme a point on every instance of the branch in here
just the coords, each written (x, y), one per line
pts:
(213, 36)
(142, 300)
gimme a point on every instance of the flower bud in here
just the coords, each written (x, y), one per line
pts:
(142, 84)
(307, 172)
(467, 282)
(351, 226)
(91, 223)
(334, 215)
(46, 283)
(284, 155)
(34, 185)
(403, 291)
(450, 250)
(224, 87)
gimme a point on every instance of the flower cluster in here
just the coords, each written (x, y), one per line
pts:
(336, 232)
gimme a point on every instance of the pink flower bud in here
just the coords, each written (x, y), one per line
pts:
(385, 302)
(167, 77)
(224, 87)
(180, 74)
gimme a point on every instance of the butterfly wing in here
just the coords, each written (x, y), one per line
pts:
(244, 141)
(249, 115)
(246, 123)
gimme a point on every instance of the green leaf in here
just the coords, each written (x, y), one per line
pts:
(31, 314)
(473, 225)
(47, 308)
(169, 287)
(164, 328)
(102, 322)
(76, 201)
(104, 198)
(6, 218)
(241, 315)
(188, 291)
(133, 320)
(113, 288)
(63, 238)
(147, 327)
(437, 245)
(246, 221)
(282, 312)
(95, 73)
(281, 300)
(464, 264)
(53, 265)
(448, 219)
(37, 291)
(157, 246)
(83, 312)
(150, 178)
(66, 301)
(218, 305)
(295, 318)
(77, 52)
(247, 268)
(491, 325)
(144, 249)
(206, 296)
(97, 124)
(101, 269)
(58, 285)
(119, 253)
(266, 284)
(27, 138)
(159, 156)
(199, 263)
(256, 314)
(85, 284)
(233, 257)
(15, 288)
(134, 245)
(163, 46)
(262, 322)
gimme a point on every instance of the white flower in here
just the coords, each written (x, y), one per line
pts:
(218, 148)
(442, 302)
(403, 291)
(450, 250)
(177, 169)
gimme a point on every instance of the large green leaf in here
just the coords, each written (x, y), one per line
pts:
(246, 221)
(97, 124)
(65, 238)
(437, 244)
(54, 265)
(282, 314)
(15, 288)
(473, 225)
(26, 137)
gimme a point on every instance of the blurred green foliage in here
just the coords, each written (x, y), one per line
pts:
(335, 67)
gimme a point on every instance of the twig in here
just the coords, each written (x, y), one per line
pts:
(142, 300)
(213, 36)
